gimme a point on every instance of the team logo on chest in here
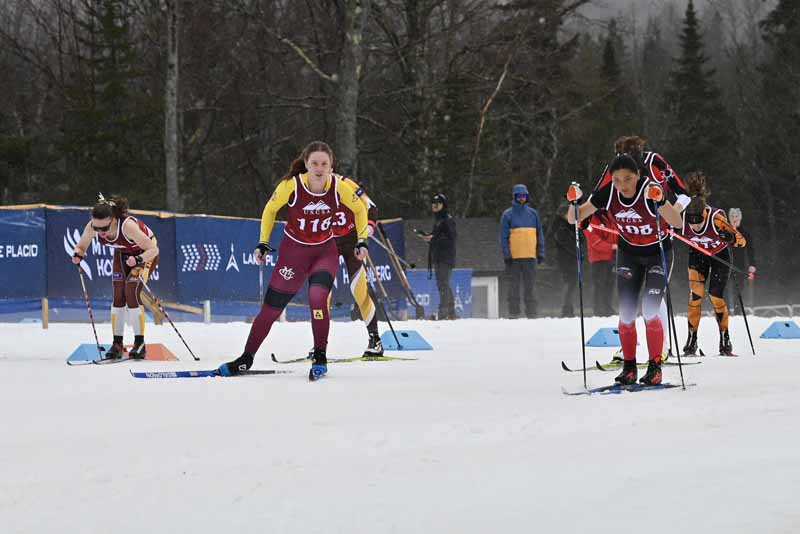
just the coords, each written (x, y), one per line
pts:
(317, 208)
(628, 216)
(706, 242)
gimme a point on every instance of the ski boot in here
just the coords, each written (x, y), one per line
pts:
(628, 374)
(117, 350)
(690, 349)
(653, 375)
(139, 350)
(319, 365)
(725, 347)
(237, 366)
(375, 346)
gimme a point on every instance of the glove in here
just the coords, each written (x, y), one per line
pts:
(540, 259)
(574, 192)
(655, 193)
(727, 237)
(361, 246)
(262, 249)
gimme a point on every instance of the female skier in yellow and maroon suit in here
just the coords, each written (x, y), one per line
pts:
(135, 256)
(708, 228)
(308, 251)
(344, 229)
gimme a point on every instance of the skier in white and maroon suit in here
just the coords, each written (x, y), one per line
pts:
(135, 256)
(312, 194)
(631, 194)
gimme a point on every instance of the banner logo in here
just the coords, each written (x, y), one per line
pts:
(200, 257)
(70, 241)
(232, 262)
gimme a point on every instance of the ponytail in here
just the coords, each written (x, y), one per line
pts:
(697, 185)
(632, 145)
(116, 206)
(298, 166)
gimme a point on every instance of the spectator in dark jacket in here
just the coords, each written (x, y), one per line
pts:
(522, 243)
(442, 254)
(745, 260)
(601, 247)
(564, 237)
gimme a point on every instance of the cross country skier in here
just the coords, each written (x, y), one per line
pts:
(707, 227)
(135, 256)
(631, 195)
(344, 230)
(313, 196)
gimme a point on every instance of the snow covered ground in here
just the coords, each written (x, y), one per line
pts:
(474, 437)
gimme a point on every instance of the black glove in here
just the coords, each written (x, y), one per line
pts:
(727, 236)
(264, 248)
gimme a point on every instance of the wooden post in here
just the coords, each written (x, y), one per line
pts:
(45, 313)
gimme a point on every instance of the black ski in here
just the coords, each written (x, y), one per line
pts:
(578, 370)
(619, 388)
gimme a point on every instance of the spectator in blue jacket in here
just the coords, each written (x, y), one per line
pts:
(522, 243)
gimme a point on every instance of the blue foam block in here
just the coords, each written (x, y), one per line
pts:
(782, 330)
(605, 337)
(87, 351)
(409, 340)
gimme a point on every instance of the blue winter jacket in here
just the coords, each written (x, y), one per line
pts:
(521, 233)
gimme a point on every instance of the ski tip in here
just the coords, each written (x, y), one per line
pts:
(564, 367)
(274, 359)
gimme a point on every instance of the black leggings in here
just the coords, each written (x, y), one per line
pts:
(635, 271)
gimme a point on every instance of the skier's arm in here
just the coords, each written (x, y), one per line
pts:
(86, 238)
(148, 246)
(280, 197)
(728, 232)
(348, 197)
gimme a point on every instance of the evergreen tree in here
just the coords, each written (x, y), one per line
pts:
(112, 128)
(698, 133)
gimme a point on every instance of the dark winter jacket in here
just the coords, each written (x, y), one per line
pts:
(442, 246)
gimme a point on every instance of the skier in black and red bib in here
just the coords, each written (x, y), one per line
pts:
(633, 187)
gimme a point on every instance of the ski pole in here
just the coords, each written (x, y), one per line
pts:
(580, 285)
(260, 284)
(744, 312)
(419, 311)
(666, 282)
(100, 349)
(378, 300)
(164, 311)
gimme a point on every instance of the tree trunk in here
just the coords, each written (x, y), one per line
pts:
(347, 87)
(171, 139)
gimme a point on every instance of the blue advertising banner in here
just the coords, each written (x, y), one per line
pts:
(215, 258)
(428, 295)
(200, 258)
(64, 229)
(23, 251)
